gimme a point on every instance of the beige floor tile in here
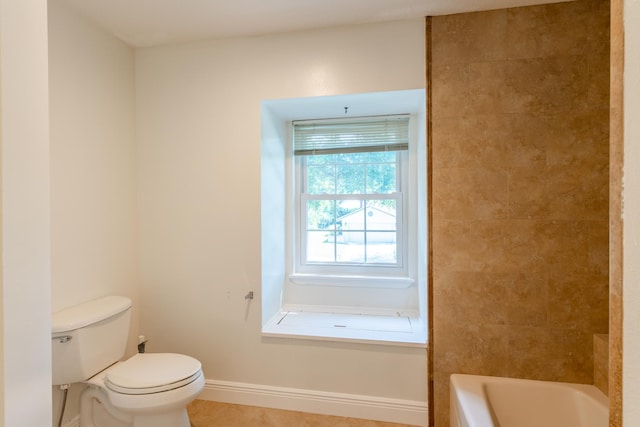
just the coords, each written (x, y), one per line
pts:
(214, 414)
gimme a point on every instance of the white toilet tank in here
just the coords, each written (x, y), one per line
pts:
(88, 338)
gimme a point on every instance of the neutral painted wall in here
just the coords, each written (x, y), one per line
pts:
(26, 297)
(93, 181)
(93, 192)
(2, 392)
(198, 127)
(631, 217)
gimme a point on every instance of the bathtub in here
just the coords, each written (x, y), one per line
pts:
(480, 401)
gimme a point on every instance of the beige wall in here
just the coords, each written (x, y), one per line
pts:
(92, 158)
(2, 392)
(26, 299)
(198, 127)
(93, 178)
(520, 192)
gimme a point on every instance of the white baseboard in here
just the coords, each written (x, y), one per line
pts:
(73, 422)
(318, 402)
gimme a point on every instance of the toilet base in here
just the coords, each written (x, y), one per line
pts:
(163, 409)
(97, 411)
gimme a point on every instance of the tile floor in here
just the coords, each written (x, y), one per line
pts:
(204, 413)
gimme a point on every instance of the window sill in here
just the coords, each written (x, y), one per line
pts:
(351, 281)
(382, 328)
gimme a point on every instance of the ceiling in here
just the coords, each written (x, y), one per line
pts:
(141, 23)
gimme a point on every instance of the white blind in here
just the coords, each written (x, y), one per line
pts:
(384, 133)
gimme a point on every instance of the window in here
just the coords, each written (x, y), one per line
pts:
(343, 218)
(349, 181)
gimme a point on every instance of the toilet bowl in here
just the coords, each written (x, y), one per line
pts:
(146, 390)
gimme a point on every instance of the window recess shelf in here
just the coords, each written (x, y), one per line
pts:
(351, 281)
(368, 326)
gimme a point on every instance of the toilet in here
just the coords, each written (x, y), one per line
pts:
(147, 390)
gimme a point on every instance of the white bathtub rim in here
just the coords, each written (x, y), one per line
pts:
(469, 390)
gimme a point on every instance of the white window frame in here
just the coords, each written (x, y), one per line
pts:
(345, 274)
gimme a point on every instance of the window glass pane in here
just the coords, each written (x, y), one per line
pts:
(381, 247)
(382, 157)
(320, 214)
(352, 248)
(350, 179)
(351, 231)
(321, 159)
(381, 178)
(321, 179)
(381, 237)
(350, 215)
(380, 215)
(320, 246)
(351, 158)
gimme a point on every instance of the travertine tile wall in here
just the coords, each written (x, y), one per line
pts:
(520, 163)
(601, 362)
(616, 160)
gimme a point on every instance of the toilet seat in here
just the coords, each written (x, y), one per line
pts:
(148, 373)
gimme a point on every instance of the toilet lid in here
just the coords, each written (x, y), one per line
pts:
(147, 373)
